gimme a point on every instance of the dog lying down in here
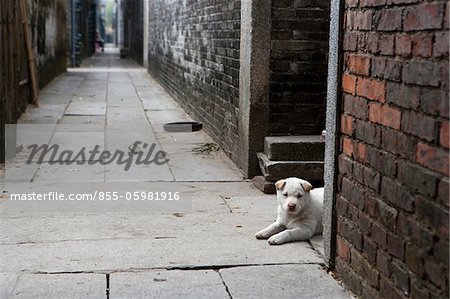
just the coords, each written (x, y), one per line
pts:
(299, 213)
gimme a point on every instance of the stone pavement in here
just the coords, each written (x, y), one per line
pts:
(98, 249)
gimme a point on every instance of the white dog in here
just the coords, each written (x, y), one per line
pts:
(299, 213)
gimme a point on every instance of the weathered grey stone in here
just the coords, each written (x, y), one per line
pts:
(45, 114)
(123, 254)
(70, 173)
(75, 141)
(317, 243)
(138, 173)
(254, 78)
(83, 107)
(56, 286)
(7, 284)
(281, 281)
(276, 170)
(332, 137)
(295, 148)
(260, 183)
(187, 165)
(167, 284)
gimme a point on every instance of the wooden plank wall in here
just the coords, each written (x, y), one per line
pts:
(14, 81)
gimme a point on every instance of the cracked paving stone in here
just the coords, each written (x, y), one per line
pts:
(56, 286)
(282, 281)
(167, 284)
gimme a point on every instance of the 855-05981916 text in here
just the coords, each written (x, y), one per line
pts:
(98, 195)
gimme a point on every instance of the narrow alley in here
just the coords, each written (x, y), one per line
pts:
(224, 149)
(136, 250)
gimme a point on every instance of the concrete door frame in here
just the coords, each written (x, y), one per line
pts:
(254, 88)
(254, 82)
(332, 125)
(146, 16)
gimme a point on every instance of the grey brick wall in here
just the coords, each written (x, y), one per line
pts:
(299, 66)
(194, 53)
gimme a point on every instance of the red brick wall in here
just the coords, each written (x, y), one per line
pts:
(392, 202)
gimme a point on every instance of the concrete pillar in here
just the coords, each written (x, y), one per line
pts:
(145, 51)
(254, 80)
(331, 138)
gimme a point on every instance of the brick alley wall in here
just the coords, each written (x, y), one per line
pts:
(194, 53)
(392, 202)
(299, 66)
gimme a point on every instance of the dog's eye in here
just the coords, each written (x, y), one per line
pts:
(299, 195)
(285, 194)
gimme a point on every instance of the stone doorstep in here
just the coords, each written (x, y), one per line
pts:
(295, 148)
(260, 183)
(276, 170)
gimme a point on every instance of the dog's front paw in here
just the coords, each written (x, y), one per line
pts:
(276, 240)
(262, 235)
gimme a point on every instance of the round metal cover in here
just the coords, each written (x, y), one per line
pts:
(183, 126)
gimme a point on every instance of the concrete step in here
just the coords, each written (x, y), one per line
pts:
(275, 170)
(294, 148)
(260, 183)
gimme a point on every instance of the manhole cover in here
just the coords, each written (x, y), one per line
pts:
(184, 126)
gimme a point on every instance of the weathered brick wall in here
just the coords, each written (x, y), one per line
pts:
(194, 53)
(392, 203)
(299, 66)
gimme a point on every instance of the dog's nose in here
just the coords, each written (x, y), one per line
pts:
(291, 206)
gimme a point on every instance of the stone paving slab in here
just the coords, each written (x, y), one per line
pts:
(89, 108)
(126, 116)
(74, 226)
(44, 114)
(199, 191)
(119, 77)
(157, 101)
(208, 217)
(76, 140)
(64, 85)
(281, 281)
(128, 102)
(20, 172)
(54, 99)
(123, 138)
(58, 286)
(190, 251)
(70, 173)
(138, 173)
(190, 166)
(83, 119)
(7, 284)
(168, 284)
(183, 141)
(317, 244)
(82, 123)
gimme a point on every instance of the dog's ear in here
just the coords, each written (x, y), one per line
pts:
(280, 184)
(306, 186)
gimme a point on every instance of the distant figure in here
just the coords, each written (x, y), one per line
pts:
(99, 42)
